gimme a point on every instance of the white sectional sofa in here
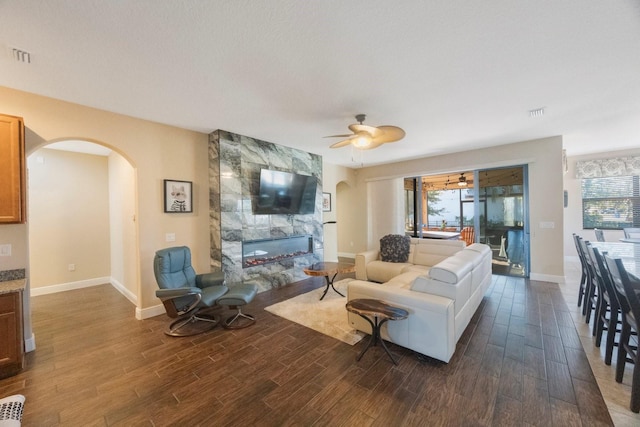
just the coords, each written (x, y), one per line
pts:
(441, 286)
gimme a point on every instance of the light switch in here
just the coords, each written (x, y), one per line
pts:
(547, 224)
(170, 237)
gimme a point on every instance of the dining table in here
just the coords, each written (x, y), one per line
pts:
(628, 252)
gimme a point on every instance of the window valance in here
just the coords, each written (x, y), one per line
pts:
(601, 168)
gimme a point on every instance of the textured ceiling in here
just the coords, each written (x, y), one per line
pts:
(455, 74)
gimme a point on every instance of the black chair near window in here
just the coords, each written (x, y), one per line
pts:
(599, 235)
(630, 312)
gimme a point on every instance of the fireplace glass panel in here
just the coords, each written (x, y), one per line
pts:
(258, 252)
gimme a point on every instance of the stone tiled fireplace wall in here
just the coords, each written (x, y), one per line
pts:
(235, 162)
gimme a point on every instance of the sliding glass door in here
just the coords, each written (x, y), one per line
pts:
(489, 205)
(504, 223)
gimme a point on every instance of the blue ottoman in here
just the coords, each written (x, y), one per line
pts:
(238, 296)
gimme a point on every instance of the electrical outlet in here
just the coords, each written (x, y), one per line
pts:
(170, 237)
(5, 250)
(72, 267)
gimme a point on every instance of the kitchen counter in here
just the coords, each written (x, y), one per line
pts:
(12, 286)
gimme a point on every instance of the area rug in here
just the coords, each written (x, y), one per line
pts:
(327, 316)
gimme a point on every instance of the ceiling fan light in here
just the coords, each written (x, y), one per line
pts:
(462, 183)
(362, 141)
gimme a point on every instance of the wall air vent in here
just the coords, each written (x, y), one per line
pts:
(21, 55)
(538, 112)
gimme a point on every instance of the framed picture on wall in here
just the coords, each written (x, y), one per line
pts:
(326, 202)
(178, 196)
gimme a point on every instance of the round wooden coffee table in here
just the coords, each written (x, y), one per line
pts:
(329, 270)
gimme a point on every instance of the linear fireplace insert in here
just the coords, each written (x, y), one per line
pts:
(264, 251)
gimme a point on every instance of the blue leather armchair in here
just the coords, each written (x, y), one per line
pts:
(186, 295)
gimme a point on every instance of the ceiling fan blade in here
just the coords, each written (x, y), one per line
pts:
(371, 130)
(342, 143)
(389, 134)
(338, 136)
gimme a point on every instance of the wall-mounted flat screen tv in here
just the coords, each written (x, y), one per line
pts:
(285, 193)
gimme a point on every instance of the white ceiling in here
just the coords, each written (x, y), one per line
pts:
(455, 74)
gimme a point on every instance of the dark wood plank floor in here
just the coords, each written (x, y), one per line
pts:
(519, 362)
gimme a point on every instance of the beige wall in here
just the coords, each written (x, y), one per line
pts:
(15, 235)
(544, 157)
(68, 217)
(338, 181)
(573, 212)
(122, 221)
(156, 152)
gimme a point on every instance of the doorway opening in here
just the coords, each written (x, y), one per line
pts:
(82, 219)
(487, 206)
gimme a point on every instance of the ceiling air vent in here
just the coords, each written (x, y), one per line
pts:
(21, 55)
(538, 112)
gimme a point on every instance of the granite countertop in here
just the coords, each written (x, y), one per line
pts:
(12, 286)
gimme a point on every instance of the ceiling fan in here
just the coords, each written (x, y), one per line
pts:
(367, 137)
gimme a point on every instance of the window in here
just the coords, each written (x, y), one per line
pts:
(611, 203)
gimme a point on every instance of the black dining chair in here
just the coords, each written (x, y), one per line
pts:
(599, 235)
(607, 313)
(630, 311)
(583, 264)
(590, 297)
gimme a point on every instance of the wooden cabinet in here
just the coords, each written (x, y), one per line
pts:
(12, 170)
(11, 337)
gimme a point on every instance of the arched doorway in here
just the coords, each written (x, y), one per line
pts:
(82, 218)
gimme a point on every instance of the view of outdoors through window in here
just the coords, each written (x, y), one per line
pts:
(444, 207)
(611, 202)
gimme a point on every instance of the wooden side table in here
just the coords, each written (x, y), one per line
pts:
(380, 312)
(329, 270)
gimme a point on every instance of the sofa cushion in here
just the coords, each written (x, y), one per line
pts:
(423, 270)
(395, 248)
(458, 292)
(451, 270)
(381, 271)
(404, 280)
(429, 252)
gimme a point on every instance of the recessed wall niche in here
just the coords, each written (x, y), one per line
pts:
(235, 162)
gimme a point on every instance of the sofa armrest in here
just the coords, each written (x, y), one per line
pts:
(362, 259)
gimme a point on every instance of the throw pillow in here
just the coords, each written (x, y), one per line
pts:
(395, 248)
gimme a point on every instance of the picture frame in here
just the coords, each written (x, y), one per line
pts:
(178, 196)
(326, 202)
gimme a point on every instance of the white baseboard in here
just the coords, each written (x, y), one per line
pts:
(146, 313)
(69, 286)
(124, 291)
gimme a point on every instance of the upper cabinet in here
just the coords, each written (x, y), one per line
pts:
(12, 170)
